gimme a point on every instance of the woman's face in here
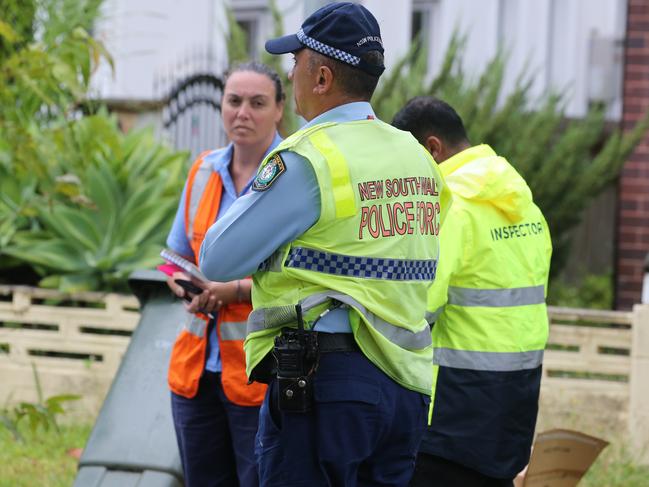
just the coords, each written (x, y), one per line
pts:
(249, 110)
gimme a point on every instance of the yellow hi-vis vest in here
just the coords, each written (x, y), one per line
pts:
(374, 247)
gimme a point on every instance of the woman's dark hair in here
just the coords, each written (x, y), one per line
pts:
(260, 68)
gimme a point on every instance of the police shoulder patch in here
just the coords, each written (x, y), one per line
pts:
(269, 173)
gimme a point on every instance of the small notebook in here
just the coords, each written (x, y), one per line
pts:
(187, 266)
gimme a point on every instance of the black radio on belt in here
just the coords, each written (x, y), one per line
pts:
(296, 352)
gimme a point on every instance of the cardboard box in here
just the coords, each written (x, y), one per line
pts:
(560, 458)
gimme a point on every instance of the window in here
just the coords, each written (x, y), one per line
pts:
(605, 67)
(253, 17)
(250, 25)
(424, 27)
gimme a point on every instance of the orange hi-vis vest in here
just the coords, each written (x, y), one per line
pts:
(203, 198)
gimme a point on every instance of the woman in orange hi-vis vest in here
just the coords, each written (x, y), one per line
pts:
(215, 411)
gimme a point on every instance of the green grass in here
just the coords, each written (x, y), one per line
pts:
(615, 467)
(43, 459)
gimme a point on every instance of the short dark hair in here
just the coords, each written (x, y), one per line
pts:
(260, 68)
(352, 81)
(424, 116)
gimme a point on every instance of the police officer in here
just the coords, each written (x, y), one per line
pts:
(488, 309)
(343, 220)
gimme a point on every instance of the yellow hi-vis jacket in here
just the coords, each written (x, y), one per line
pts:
(490, 318)
(374, 247)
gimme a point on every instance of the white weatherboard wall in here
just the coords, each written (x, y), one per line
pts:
(155, 38)
(552, 38)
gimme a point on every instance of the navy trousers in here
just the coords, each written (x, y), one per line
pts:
(364, 430)
(215, 437)
(434, 470)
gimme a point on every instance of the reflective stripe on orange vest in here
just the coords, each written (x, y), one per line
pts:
(202, 200)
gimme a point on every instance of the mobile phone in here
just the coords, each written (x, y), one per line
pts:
(188, 286)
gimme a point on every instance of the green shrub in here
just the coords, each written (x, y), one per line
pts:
(595, 291)
(41, 81)
(104, 207)
(80, 203)
(565, 162)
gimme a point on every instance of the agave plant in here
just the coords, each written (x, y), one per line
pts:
(80, 202)
(46, 58)
(16, 205)
(107, 218)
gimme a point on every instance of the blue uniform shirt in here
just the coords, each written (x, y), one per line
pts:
(177, 239)
(261, 222)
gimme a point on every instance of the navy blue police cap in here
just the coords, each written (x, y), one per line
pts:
(343, 31)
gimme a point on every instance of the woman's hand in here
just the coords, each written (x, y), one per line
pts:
(214, 296)
(175, 288)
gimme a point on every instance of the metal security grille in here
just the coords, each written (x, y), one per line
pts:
(191, 117)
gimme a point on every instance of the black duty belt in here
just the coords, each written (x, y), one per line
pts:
(337, 342)
(266, 370)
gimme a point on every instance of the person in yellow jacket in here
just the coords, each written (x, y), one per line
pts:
(487, 309)
(343, 220)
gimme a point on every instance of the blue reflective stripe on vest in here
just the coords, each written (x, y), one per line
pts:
(274, 262)
(232, 330)
(487, 361)
(363, 267)
(520, 296)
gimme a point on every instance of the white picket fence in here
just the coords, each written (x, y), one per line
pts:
(596, 369)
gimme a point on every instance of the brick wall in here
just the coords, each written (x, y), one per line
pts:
(633, 202)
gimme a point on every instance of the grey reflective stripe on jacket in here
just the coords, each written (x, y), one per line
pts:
(232, 330)
(264, 318)
(195, 325)
(520, 296)
(201, 179)
(432, 316)
(487, 361)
